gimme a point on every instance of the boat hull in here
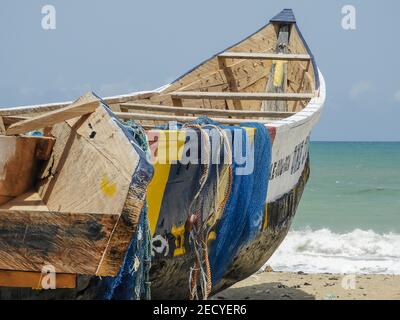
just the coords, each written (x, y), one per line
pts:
(289, 173)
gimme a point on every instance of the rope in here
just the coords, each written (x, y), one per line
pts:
(201, 273)
(197, 232)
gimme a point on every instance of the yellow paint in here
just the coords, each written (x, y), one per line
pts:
(212, 236)
(168, 149)
(251, 132)
(265, 224)
(109, 188)
(278, 74)
(179, 234)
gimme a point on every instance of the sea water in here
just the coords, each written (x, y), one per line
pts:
(348, 220)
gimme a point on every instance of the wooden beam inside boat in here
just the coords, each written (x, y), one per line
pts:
(9, 120)
(265, 56)
(204, 111)
(2, 126)
(157, 117)
(278, 75)
(241, 96)
(85, 105)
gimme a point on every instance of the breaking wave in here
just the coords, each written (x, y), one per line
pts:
(324, 251)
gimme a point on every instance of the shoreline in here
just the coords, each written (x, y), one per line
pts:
(303, 286)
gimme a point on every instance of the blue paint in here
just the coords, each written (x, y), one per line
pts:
(131, 284)
(285, 16)
(243, 215)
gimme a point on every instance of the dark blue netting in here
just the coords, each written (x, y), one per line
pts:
(132, 281)
(243, 215)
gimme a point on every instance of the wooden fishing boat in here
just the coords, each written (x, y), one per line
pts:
(71, 197)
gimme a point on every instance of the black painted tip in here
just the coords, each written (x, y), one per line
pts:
(285, 16)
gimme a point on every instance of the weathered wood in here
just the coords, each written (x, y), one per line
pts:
(26, 279)
(91, 166)
(203, 111)
(70, 242)
(9, 120)
(232, 84)
(80, 219)
(44, 108)
(265, 56)
(157, 117)
(277, 81)
(91, 170)
(114, 255)
(17, 165)
(44, 148)
(242, 95)
(2, 126)
(85, 105)
(29, 201)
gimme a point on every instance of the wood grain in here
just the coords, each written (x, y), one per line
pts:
(85, 105)
(70, 242)
(242, 95)
(267, 56)
(203, 111)
(27, 279)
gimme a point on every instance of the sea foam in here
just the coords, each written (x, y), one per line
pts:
(324, 251)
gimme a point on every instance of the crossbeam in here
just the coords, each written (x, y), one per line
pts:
(241, 96)
(204, 111)
(157, 117)
(265, 56)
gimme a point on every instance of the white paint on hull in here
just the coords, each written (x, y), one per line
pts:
(292, 132)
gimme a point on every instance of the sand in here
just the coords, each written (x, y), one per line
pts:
(301, 286)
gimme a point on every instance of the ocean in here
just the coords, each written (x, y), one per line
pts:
(348, 220)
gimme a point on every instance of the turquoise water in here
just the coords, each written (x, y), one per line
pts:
(348, 220)
(352, 185)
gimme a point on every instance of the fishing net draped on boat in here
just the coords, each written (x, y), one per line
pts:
(244, 211)
(221, 217)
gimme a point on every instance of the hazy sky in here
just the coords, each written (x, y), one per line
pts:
(115, 47)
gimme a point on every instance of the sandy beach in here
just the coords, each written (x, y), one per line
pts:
(301, 286)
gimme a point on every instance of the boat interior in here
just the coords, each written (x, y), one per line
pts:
(266, 77)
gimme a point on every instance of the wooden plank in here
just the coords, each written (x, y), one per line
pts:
(231, 79)
(70, 242)
(157, 117)
(27, 279)
(126, 226)
(9, 120)
(2, 126)
(85, 105)
(277, 80)
(265, 56)
(18, 165)
(204, 111)
(242, 96)
(29, 201)
(44, 147)
(91, 166)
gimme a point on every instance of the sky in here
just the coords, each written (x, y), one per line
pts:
(116, 47)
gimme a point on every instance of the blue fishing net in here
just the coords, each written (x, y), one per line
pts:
(132, 281)
(243, 215)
